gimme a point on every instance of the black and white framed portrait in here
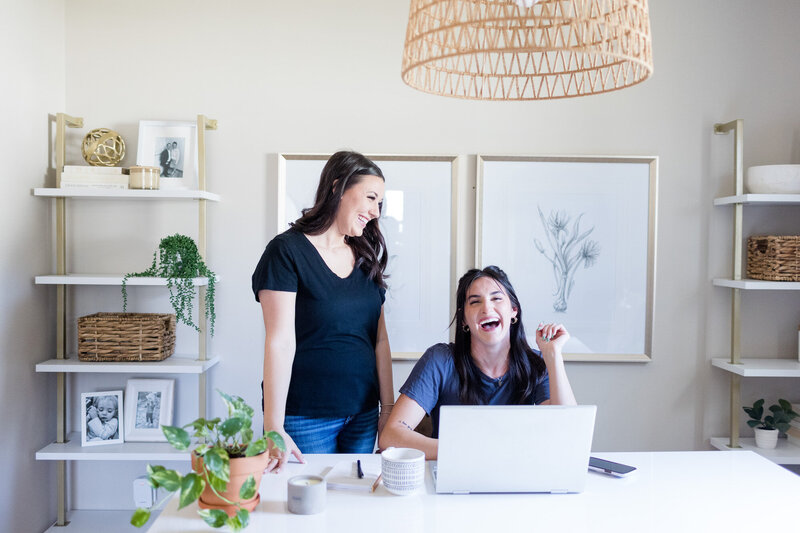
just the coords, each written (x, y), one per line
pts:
(101, 418)
(172, 147)
(149, 404)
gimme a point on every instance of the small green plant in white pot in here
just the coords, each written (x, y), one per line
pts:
(768, 427)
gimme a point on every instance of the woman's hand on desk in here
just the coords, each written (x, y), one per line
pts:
(277, 458)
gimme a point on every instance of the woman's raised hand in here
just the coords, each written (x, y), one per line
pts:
(551, 338)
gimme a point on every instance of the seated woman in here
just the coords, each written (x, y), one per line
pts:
(490, 363)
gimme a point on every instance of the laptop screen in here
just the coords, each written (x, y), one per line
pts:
(514, 448)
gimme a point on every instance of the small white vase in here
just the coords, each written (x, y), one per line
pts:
(766, 438)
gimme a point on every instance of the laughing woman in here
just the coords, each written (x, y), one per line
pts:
(490, 363)
(327, 363)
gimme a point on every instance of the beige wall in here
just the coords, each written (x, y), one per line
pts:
(319, 76)
(31, 86)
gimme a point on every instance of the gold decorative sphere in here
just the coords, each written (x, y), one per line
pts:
(103, 147)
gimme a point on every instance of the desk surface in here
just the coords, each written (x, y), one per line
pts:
(671, 491)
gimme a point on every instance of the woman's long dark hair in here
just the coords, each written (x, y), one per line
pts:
(524, 365)
(342, 171)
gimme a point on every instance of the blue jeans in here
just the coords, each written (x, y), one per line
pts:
(351, 434)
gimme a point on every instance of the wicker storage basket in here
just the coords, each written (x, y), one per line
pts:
(126, 337)
(774, 257)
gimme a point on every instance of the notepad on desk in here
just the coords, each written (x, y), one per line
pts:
(344, 475)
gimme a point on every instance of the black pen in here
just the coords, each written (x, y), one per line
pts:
(360, 472)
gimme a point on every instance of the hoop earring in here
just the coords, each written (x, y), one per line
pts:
(465, 328)
(514, 320)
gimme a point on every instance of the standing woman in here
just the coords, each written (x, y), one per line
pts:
(490, 363)
(327, 363)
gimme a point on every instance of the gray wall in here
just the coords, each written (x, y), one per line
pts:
(319, 76)
(32, 84)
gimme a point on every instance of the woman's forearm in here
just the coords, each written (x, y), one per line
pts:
(383, 362)
(277, 374)
(560, 388)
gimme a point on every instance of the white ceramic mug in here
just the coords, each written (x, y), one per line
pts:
(306, 494)
(403, 470)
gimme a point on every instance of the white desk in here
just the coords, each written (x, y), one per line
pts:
(671, 492)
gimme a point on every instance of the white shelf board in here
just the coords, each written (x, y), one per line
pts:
(127, 451)
(105, 279)
(126, 194)
(759, 199)
(760, 368)
(784, 453)
(757, 284)
(177, 364)
(92, 521)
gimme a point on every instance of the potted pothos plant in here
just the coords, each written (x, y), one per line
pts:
(227, 465)
(178, 260)
(768, 427)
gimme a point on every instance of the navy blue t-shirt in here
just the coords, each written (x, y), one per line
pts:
(434, 382)
(336, 324)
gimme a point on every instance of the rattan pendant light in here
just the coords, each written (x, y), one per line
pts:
(503, 50)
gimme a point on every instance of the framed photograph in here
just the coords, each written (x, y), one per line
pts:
(148, 406)
(101, 418)
(576, 236)
(419, 225)
(171, 146)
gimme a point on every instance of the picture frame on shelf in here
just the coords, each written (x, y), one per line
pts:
(418, 223)
(148, 406)
(576, 236)
(101, 418)
(172, 147)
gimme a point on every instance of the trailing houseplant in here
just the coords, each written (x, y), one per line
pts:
(178, 260)
(767, 427)
(221, 448)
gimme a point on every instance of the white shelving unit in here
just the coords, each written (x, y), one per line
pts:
(67, 447)
(735, 365)
(107, 279)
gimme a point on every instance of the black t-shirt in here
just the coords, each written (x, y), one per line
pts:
(336, 324)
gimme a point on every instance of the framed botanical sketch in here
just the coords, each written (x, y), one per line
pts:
(418, 223)
(148, 406)
(101, 418)
(576, 236)
(172, 147)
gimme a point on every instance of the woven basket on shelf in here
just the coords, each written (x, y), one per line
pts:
(126, 337)
(774, 257)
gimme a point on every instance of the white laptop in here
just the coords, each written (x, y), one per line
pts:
(513, 448)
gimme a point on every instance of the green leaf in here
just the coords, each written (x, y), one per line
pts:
(218, 463)
(244, 516)
(277, 440)
(220, 485)
(247, 433)
(230, 401)
(152, 470)
(230, 427)
(256, 447)
(169, 479)
(176, 436)
(234, 522)
(213, 517)
(191, 487)
(248, 489)
(140, 517)
(211, 424)
(753, 423)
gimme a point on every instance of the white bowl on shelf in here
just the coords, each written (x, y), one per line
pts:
(773, 179)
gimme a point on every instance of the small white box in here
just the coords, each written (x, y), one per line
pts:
(143, 494)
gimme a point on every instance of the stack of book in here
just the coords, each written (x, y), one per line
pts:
(100, 177)
(794, 427)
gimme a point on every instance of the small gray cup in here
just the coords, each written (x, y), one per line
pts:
(306, 494)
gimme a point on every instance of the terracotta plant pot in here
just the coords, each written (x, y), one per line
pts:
(766, 438)
(241, 469)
